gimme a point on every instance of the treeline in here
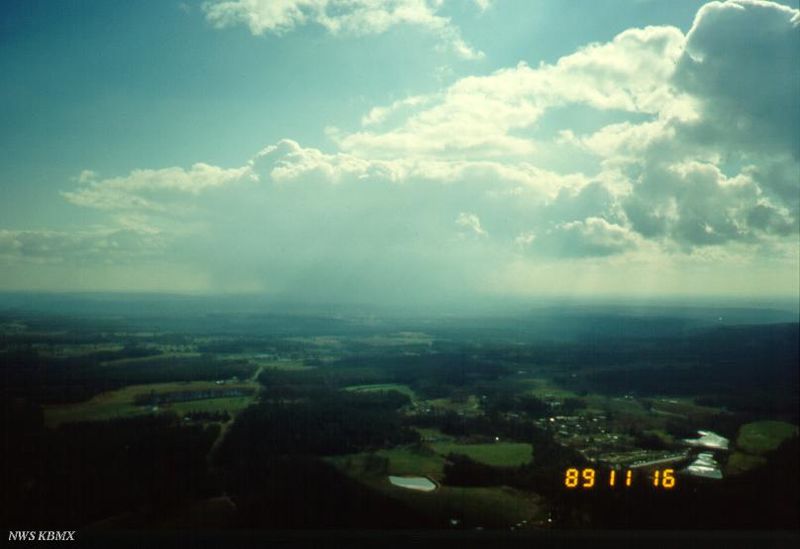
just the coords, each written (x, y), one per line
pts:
(496, 401)
(153, 397)
(29, 374)
(203, 415)
(231, 344)
(272, 454)
(295, 382)
(297, 492)
(547, 453)
(749, 369)
(432, 375)
(323, 423)
(85, 472)
(271, 460)
(545, 480)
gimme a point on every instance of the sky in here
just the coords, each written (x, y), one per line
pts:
(401, 151)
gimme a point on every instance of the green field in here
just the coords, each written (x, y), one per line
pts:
(233, 405)
(616, 405)
(762, 436)
(739, 462)
(429, 461)
(491, 507)
(498, 454)
(150, 358)
(405, 389)
(398, 461)
(435, 434)
(408, 461)
(283, 364)
(120, 403)
(319, 341)
(399, 339)
(470, 406)
(542, 387)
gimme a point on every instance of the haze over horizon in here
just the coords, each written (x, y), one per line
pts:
(401, 151)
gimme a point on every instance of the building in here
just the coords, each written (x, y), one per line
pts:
(704, 466)
(708, 440)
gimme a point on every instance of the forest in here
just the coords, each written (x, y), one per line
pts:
(231, 421)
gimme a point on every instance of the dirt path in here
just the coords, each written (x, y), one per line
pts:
(225, 426)
(254, 377)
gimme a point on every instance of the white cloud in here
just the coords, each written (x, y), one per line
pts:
(287, 161)
(378, 115)
(146, 189)
(471, 223)
(690, 168)
(741, 61)
(117, 244)
(591, 237)
(482, 116)
(525, 239)
(720, 166)
(650, 182)
(338, 17)
(626, 140)
(695, 204)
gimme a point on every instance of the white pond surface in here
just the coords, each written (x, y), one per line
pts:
(422, 484)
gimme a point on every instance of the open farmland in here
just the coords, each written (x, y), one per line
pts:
(498, 454)
(284, 364)
(740, 462)
(762, 436)
(492, 427)
(127, 402)
(403, 461)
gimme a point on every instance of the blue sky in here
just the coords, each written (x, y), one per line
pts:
(396, 149)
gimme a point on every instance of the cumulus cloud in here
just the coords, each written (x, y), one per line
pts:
(287, 161)
(695, 204)
(741, 61)
(650, 179)
(378, 115)
(117, 244)
(339, 17)
(146, 189)
(731, 172)
(691, 161)
(725, 168)
(481, 116)
(590, 237)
